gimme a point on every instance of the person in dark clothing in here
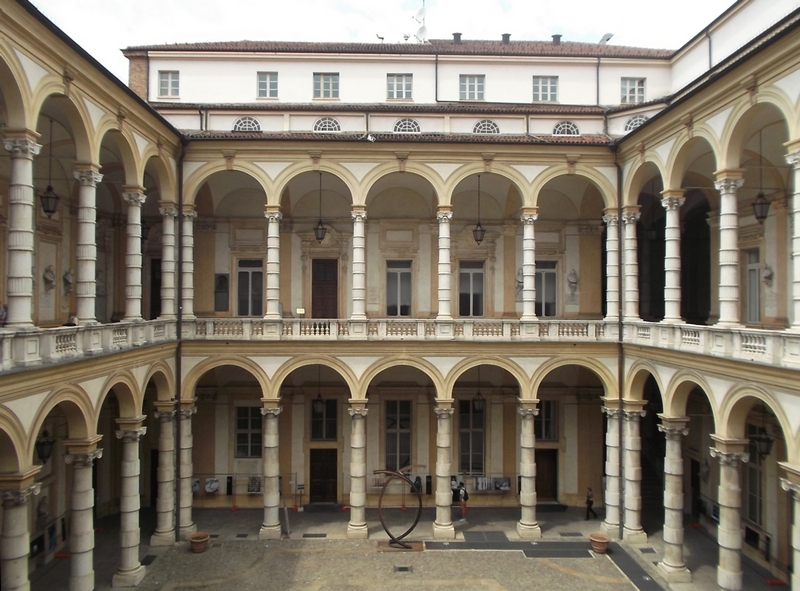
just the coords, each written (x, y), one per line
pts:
(590, 503)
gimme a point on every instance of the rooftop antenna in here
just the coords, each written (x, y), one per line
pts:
(606, 38)
(379, 37)
(422, 33)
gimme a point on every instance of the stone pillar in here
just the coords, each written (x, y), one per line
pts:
(612, 267)
(130, 572)
(729, 496)
(444, 215)
(611, 496)
(165, 503)
(631, 312)
(81, 533)
(168, 215)
(528, 265)
(134, 197)
(672, 202)
(19, 288)
(794, 488)
(86, 247)
(673, 566)
(273, 311)
(527, 526)
(359, 216)
(185, 470)
(187, 272)
(15, 537)
(794, 307)
(727, 184)
(443, 525)
(632, 440)
(357, 528)
(271, 526)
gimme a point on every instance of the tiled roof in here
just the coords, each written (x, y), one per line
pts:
(432, 47)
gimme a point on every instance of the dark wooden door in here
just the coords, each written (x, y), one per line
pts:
(324, 474)
(155, 288)
(324, 288)
(547, 474)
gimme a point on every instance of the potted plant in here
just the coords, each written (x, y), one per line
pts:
(199, 542)
(599, 542)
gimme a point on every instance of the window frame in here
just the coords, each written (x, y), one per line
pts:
(253, 413)
(407, 125)
(329, 420)
(270, 79)
(406, 89)
(402, 436)
(169, 80)
(471, 272)
(634, 87)
(754, 499)
(545, 424)
(326, 86)
(544, 270)
(468, 436)
(545, 96)
(471, 87)
(753, 285)
(486, 127)
(401, 273)
(250, 271)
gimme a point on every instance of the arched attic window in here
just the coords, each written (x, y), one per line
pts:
(486, 126)
(327, 125)
(246, 123)
(566, 128)
(406, 125)
(635, 122)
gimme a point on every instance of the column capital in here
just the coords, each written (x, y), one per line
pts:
(673, 432)
(21, 147)
(610, 412)
(84, 459)
(791, 487)
(358, 213)
(188, 213)
(673, 423)
(793, 159)
(87, 175)
(165, 416)
(444, 407)
(273, 213)
(610, 219)
(630, 217)
(529, 215)
(12, 498)
(168, 211)
(528, 407)
(357, 411)
(271, 410)
(634, 414)
(186, 413)
(444, 214)
(729, 458)
(131, 435)
(729, 181)
(672, 202)
(134, 197)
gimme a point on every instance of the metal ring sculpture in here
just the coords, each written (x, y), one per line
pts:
(395, 540)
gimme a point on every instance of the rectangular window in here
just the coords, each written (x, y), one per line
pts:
(755, 501)
(546, 274)
(398, 434)
(398, 288)
(168, 83)
(471, 437)
(546, 422)
(250, 287)
(326, 85)
(248, 432)
(753, 286)
(221, 292)
(323, 420)
(632, 90)
(267, 85)
(471, 87)
(545, 88)
(398, 86)
(470, 288)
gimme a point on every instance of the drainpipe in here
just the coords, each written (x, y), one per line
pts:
(597, 82)
(436, 78)
(179, 347)
(710, 58)
(620, 347)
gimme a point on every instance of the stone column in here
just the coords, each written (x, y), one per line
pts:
(444, 215)
(612, 267)
(81, 534)
(15, 537)
(528, 265)
(632, 440)
(165, 503)
(729, 495)
(672, 202)
(527, 526)
(19, 288)
(673, 566)
(271, 526)
(134, 197)
(611, 496)
(130, 572)
(359, 216)
(185, 470)
(443, 525)
(86, 247)
(357, 528)
(631, 312)
(794, 307)
(187, 272)
(273, 311)
(794, 488)
(727, 184)
(168, 215)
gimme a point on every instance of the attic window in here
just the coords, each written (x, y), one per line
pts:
(246, 124)
(486, 126)
(635, 122)
(566, 128)
(406, 126)
(327, 125)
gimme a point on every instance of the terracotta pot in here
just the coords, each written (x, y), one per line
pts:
(599, 542)
(199, 542)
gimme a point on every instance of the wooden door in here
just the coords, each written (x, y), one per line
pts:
(323, 476)
(324, 288)
(547, 474)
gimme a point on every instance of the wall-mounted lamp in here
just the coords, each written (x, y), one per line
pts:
(477, 402)
(320, 231)
(48, 198)
(761, 204)
(478, 232)
(44, 446)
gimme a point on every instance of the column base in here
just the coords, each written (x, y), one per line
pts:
(270, 532)
(529, 531)
(187, 530)
(357, 532)
(610, 529)
(729, 580)
(128, 579)
(634, 536)
(444, 532)
(163, 538)
(674, 574)
(82, 583)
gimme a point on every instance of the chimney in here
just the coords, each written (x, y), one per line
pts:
(457, 38)
(137, 71)
(506, 38)
(556, 39)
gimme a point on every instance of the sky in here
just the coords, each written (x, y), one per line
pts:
(103, 27)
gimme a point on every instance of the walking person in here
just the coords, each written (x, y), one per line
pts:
(590, 503)
(463, 497)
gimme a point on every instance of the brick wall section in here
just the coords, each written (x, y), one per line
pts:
(137, 72)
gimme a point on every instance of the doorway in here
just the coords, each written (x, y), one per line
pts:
(323, 476)
(324, 288)
(546, 475)
(155, 289)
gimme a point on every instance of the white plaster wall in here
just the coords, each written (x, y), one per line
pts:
(224, 122)
(386, 123)
(182, 121)
(546, 125)
(657, 83)
(515, 125)
(348, 123)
